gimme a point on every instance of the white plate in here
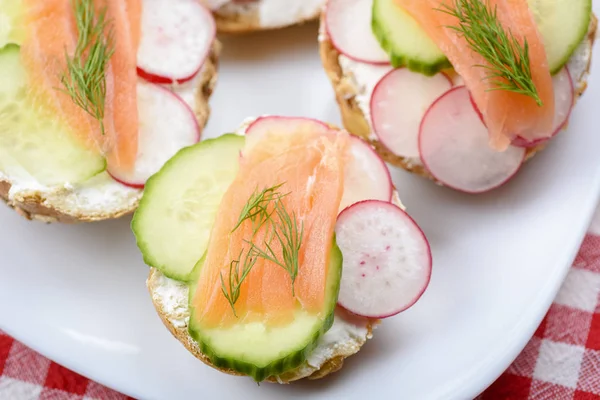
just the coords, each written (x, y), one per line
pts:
(77, 293)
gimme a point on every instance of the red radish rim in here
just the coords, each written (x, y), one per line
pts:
(529, 144)
(129, 185)
(371, 105)
(282, 118)
(163, 80)
(330, 37)
(446, 184)
(385, 167)
(154, 78)
(137, 185)
(429, 258)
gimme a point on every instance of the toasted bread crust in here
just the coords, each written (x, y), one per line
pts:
(355, 121)
(247, 22)
(35, 207)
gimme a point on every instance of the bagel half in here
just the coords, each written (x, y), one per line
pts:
(345, 338)
(100, 197)
(258, 15)
(356, 116)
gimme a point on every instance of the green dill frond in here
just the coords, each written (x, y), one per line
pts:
(85, 78)
(265, 208)
(509, 65)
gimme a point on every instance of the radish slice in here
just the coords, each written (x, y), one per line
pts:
(398, 104)
(454, 146)
(348, 25)
(366, 176)
(177, 36)
(564, 99)
(387, 259)
(167, 125)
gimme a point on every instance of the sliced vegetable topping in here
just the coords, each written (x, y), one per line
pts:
(167, 124)
(366, 177)
(387, 260)
(453, 144)
(177, 38)
(563, 26)
(398, 104)
(404, 40)
(173, 221)
(507, 46)
(348, 24)
(12, 28)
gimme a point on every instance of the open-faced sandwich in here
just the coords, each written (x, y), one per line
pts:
(240, 16)
(95, 95)
(458, 91)
(252, 236)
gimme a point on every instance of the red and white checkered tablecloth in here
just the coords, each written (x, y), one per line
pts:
(562, 360)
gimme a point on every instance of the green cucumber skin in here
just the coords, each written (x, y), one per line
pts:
(431, 68)
(296, 357)
(136, 224)
(398, 60)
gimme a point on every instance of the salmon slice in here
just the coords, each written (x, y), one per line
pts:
(51, 35)
(121, 114)
(310, 166)
(506, 114)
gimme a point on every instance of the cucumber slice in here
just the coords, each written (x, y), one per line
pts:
(401, 36)
(563, 24)
(173, 221)
(34, 145)
(260, 351)
(12, 28)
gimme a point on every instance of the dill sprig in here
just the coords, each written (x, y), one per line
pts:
(509, 64)
(265, 207)
(237, 276)
(289, 236)
(85, 78)
(256, 207)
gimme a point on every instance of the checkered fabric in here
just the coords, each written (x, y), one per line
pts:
(26, 375)
(561, 362)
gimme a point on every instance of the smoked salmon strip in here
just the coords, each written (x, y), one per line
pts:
(506, 114)
(51, 35)
(309, 166)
